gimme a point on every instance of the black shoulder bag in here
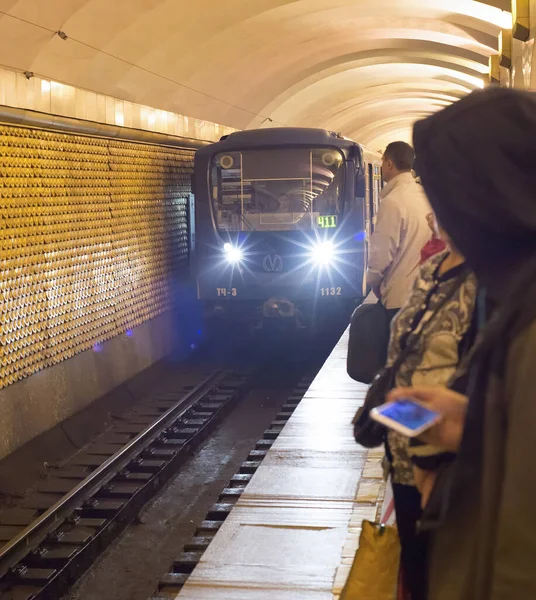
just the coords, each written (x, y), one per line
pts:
(367, 342)
(370, 433)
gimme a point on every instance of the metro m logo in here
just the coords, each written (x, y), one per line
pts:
(272, 263)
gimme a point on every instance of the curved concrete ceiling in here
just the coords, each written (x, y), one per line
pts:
(367, 68)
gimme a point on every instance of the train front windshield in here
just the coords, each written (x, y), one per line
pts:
(277, 189)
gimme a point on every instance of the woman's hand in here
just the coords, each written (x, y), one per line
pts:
(452, 407)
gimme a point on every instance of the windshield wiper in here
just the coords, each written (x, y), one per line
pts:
(245, 220)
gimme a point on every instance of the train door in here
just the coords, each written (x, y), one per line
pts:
(368, 210)
(373, 188)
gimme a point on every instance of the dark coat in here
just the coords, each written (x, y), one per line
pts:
(482, 513)
(476, 162)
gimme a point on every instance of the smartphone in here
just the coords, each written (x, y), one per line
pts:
(406, 416)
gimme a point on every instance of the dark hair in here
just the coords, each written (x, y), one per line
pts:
(401, 154)
(485, 200)
(476, 163)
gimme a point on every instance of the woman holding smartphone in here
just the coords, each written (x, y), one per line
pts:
(428, 337)
(477, 167)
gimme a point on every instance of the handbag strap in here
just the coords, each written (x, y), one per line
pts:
(389, 511)
(410, 346)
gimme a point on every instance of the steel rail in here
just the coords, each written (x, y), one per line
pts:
(33, 535)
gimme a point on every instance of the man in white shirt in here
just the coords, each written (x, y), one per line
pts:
(401, 229)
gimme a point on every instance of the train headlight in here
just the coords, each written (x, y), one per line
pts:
(323, 253)
(232, 253)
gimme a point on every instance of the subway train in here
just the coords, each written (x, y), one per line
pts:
(282, 221)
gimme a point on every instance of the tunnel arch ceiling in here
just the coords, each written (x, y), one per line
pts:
(367, 68)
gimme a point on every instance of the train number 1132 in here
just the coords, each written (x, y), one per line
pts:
(331, 291)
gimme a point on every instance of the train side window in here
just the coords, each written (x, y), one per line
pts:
(371, 190)
(378, 185)
(382, 183)
(360, 185)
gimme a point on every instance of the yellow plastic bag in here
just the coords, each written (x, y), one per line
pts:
(374, 572)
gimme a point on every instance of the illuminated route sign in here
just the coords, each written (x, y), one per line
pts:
(327, 221)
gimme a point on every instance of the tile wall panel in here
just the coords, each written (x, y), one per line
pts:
(93, 240)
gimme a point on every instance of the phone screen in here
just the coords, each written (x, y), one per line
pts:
(408, 413)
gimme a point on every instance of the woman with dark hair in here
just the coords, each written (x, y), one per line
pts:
(477, 167)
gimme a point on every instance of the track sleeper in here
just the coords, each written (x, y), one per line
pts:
(264, 444)
(35, 576)
(186, 562)
(208, 526)
(249, 466)
(230, 493)
(219, 511)
(198, 544)
(173, 579)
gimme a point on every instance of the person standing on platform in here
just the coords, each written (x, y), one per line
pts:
(478, 171)
(401, 229)
(435, 244)
(433, 331)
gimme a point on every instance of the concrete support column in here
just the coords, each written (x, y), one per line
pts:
(523, 50)
(530, 49)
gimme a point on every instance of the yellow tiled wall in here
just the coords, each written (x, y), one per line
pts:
(93, 238)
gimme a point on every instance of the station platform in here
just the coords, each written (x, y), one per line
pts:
(294, 531)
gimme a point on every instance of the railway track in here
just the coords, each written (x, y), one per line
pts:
(172, 582)
(77, 511)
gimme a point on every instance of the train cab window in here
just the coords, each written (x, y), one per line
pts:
(277, 189)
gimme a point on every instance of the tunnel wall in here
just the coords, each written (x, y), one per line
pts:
(94, 250)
